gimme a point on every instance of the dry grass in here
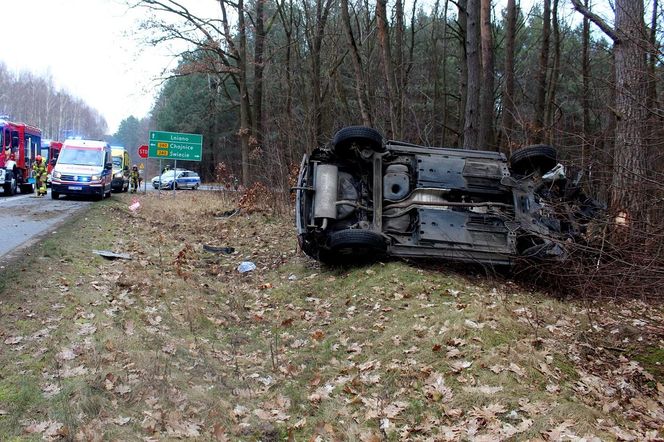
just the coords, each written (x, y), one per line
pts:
(176, 343)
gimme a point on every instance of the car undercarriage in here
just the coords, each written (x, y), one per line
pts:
(362, 198)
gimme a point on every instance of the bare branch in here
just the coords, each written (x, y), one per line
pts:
(608, 30)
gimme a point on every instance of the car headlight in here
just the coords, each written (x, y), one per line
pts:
(94, 178)
(57, 174)
(118, 175)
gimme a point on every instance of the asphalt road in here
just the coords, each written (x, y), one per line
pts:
(26, 217)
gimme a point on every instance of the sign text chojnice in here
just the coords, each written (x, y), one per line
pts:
(175, 146)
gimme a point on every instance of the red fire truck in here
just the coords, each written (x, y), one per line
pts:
(21, 143)
(50, 150)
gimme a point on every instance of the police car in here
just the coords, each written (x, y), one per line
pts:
(184, 179)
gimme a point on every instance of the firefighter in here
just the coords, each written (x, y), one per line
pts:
(40, 175)
(134, 177)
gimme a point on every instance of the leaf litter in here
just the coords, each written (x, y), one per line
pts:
(176, 344)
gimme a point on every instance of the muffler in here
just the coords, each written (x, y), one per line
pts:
(325, 197)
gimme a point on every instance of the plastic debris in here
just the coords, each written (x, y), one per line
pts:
(111, 255)
(134, 205)
(246, 266)
(214, 249)
(292, 277)
(228, 214)
(557, 173)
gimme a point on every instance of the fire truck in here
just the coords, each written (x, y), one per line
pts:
(21, 143)
(50, 150)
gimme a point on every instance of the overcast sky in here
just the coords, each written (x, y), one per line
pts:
(90, 49)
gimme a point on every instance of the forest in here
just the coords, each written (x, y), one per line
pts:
(36, 100)
(268, 80)
(287, 74)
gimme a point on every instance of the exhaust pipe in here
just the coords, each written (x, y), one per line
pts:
(325, 197)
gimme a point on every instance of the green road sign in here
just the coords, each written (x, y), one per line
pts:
(175, 146)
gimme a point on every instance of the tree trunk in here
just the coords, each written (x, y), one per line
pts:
(486, 139)
(315, 36)
(471, 124)
(509, 108)
(462, 18)
(360, 84)
(585, 88)
(443, 138)
(541, 79)
(245, 123)
(259, 51)
(652, 58)
(629, 167)
(400, 68)
(553, 81)
(386, 56)
(438, 69)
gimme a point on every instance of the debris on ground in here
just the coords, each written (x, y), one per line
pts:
(246, 266)
(215, 249)
(111, 255)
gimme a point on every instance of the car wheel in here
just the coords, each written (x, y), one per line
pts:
(195, 187)
(10, 188)
(353, 245)
(365, 137)
(54, 195)
(537, 158)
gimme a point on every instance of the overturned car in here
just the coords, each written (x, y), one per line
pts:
(361, 198)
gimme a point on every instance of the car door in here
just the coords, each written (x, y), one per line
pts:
(182, 180)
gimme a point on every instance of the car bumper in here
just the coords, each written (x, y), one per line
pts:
(118, 183)
(77, 188)
(163, 185)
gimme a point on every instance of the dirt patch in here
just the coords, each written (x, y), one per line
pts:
(176, 343)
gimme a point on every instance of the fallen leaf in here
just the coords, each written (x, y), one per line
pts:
(87, 329)
(460, 365)
(50, 390)
(14, 340)
(484, 389)
(67, 354)
(121, 420)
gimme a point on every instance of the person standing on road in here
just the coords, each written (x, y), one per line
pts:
(134, 177)
(40, 175)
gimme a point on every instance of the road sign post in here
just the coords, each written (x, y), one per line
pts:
(175, 146)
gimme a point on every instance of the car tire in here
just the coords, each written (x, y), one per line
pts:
(195, 187)
(27, 189)
(537, 158)
(54, 195)
(10, 188)
(353, 245)
(365, 136)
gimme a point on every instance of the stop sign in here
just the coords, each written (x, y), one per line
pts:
(143, 151)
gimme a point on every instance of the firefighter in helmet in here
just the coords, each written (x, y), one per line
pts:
(134, 177)
(41, 175)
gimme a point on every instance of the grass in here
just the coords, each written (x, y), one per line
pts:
(179, 343)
